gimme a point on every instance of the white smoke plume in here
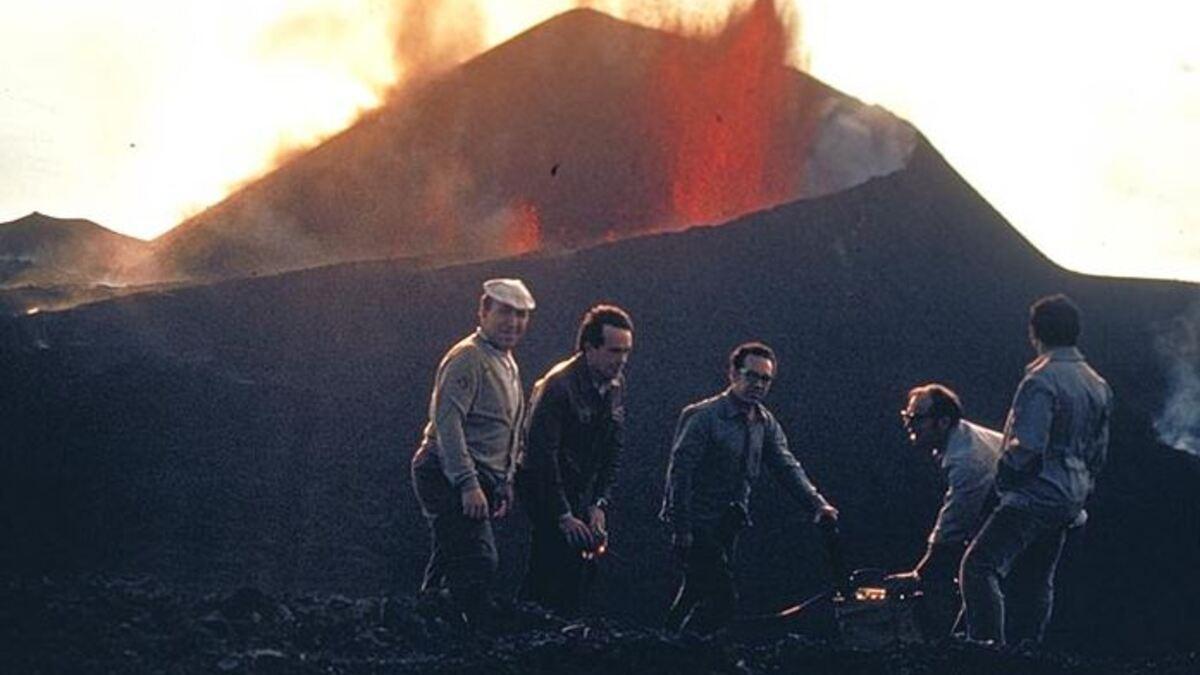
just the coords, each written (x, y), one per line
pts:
(1178, 343)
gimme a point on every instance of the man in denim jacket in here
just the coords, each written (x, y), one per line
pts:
(720, 446)
(1055, 443)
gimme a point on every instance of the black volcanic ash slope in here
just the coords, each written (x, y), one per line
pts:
(258, 432)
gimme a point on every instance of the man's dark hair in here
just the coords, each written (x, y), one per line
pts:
(1055, 320)
(591, 326)
(943, 402)
(737, 358)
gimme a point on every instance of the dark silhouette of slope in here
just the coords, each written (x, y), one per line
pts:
(556, 138)
(40, 250)
(259, 431)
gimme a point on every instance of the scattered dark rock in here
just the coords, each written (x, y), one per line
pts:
(76, 626)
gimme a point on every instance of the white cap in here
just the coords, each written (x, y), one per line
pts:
(509, 291)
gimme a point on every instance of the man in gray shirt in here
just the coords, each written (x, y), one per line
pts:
(1055, 443)
(967, 454)
(720, 446)
(463, 470)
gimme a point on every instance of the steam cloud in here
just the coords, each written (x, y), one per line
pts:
(1179, 345)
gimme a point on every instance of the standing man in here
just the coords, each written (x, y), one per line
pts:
(1055, 443)
(565, 474)
(720, 446)
(463, 470)
(967, 454)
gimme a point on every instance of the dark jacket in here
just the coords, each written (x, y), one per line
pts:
(574, 437)
(715, 458)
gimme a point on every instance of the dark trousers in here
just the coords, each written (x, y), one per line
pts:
(557, 574)
(1008, 535)
(706, 598)
(941, 603)
(463, 556)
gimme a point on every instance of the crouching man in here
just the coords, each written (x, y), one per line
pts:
(720, 445)
(967, 454)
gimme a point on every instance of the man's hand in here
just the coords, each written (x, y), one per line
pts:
(577, 532)
(912, 577)
(825, 514)
(598, 522)
(504, 500)
(475, 504)
(681, 543)
(903, 581)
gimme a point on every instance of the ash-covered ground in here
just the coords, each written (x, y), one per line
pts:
(107, 625)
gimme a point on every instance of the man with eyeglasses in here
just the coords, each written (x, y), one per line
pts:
(720, 446)
(967, 454)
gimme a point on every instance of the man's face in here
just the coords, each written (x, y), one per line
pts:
(608, 358)
(926, 433)
(503, 323)
(752, 381)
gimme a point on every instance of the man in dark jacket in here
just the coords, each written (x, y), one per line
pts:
(720, 445)
(565, 474)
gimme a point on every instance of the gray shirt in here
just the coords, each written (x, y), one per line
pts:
(1056, 436)
(475, 413)
(717, 454)
(969, 465)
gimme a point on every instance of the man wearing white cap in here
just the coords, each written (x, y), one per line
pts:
(463, 470)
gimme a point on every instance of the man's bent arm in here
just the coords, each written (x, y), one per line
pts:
(457, 386)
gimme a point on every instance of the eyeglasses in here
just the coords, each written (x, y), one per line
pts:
(911, 418)
(755, 376)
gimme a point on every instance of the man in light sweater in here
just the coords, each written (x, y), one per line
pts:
(463, 470)
(967, 454)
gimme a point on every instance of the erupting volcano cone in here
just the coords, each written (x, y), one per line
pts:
(582, 129)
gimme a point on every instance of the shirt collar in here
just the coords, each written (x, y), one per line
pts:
(1055, 354)
(490, 346)
(957, 440)
(587, 378)
(730, 409)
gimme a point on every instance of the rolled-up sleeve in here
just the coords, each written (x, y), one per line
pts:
(686, 451)
(455, 390)
(788, 470)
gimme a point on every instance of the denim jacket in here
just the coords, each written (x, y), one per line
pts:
(1056, 436)
(717, 454)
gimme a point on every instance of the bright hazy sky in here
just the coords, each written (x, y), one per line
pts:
(1079, 121)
